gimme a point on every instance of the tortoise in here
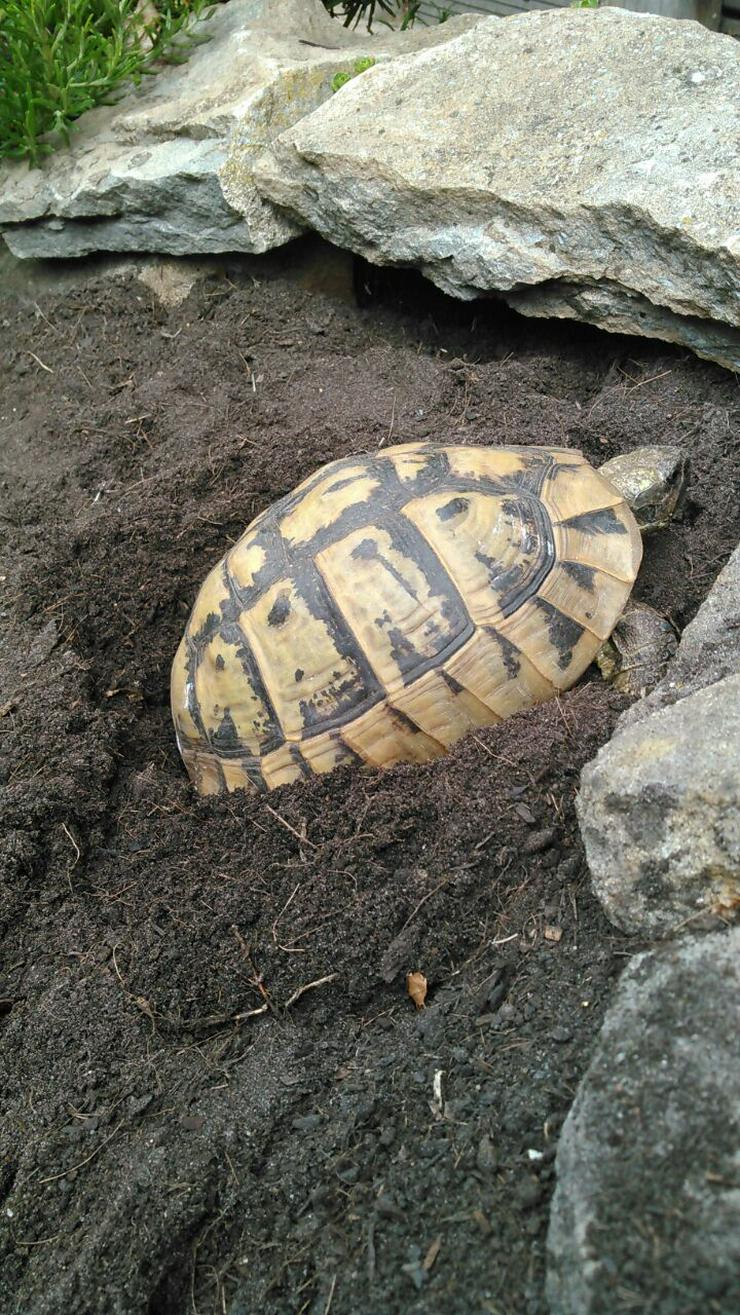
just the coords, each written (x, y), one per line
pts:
(392, 602)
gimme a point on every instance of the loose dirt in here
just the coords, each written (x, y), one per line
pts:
(217, 1094)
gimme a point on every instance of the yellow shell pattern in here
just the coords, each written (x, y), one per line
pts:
(395, 601)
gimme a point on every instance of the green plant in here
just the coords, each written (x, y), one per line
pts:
(59, 58)
(360, 66)
(584, 4)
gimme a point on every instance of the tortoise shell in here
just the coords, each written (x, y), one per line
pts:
(391, 603)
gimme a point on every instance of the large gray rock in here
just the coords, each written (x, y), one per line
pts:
(646, 1213)
(659, 812)
(143, 175)
(578, 162)
(708, 651)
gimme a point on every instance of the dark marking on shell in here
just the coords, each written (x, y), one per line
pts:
(219, 663)
(564, 632)
(298, 675)
(510, 655)
(280, 610)
(434, 470)
(268, 730)
(583, 575)
(455, 507)
(451, 683)
(403, 719)
(299, 760)
(347, 753)
(251, 768)
(192, 703)
(343, 483)
(210, 627)
(337, 701)
(602, 521)
(406, 657)
(226, 736)
(365, 551)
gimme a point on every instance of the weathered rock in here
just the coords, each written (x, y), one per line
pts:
(708, 651)
(646, 1213)
(610, 308)
(659, 812)
(143, 175)
(580, 163)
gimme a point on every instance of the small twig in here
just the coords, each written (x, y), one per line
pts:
(321, 981)
(74, 1167)
(330, 1298)
(77, 849)
(38, 361)
(256, 980)
(251, 1013)
(282, 911)
(651, 380)
(304, 840)
(42, 1241)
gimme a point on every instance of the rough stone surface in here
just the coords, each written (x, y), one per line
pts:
(611, 308)
(143, 175)
(646, 1213)
(578, 162)
(708, 651)
(659, 812)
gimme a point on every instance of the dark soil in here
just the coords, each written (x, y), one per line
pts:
(217, 1094)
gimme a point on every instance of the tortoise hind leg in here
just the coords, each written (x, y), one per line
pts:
(636, 655)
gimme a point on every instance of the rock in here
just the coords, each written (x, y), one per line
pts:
(617, 311)
(708, 651)
(144, 174)
(659, 812)
(171, 281)
(648, 1197)
(578, 162)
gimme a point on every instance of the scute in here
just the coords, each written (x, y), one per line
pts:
(393, 602)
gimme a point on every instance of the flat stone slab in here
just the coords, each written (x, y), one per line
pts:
(580, 163)
(659, 813)
(646, 1213)
(144, 174)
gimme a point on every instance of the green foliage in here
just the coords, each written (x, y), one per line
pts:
(59, 58)
(360, 66)
(584, 4)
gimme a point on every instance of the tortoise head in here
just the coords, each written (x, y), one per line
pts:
(652, 481)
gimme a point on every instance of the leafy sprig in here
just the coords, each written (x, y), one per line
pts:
(59, 58)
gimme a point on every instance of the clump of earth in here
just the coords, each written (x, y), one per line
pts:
(218, 1094)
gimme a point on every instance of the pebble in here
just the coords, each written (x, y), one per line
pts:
(307, 1122)
(538, 840)
(561, 1033)
(486, 1157)
(528, 1193)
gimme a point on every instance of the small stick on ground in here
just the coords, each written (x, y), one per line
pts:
(52, 1178)
(330, 1298)
(321, 981)
(256, 980)
(303, 840)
